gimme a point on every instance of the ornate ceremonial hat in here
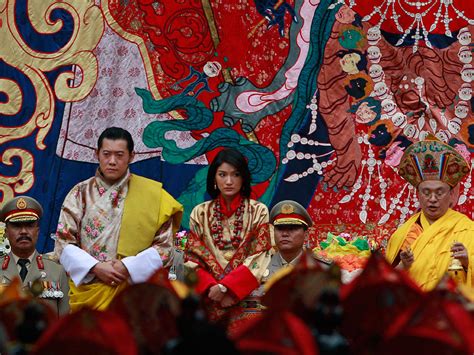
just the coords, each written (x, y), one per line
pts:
(289, 212)
(87, 331)
(21, 209)
(275, 333)
(432, 159)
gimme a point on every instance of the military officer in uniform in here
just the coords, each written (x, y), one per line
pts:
(290, 223)
(21, 216)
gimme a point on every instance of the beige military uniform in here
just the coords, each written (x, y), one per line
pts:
(50, 273)
(277, 262)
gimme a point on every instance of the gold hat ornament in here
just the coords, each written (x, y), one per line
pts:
(432, 159)
(21, 209)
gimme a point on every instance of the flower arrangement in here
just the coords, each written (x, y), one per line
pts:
(350, 253)
(181, 239)
(4, 244)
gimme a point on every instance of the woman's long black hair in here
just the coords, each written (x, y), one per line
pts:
(238, 161)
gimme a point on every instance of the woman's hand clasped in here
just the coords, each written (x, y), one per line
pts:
(216, 294)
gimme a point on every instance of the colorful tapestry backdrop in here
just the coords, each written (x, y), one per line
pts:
(321, 98)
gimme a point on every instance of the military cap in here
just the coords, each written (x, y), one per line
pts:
(289, 212)
(21, 209)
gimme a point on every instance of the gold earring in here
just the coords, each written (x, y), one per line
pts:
(215, 186)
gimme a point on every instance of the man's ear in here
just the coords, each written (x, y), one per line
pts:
(132, 156)
(454, 196)
(96, 152)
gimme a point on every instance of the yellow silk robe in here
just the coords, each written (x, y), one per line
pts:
(431, 249)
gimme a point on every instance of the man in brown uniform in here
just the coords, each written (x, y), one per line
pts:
(21, 216)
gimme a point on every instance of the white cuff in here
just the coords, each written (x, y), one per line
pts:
(77, 263)
(143, 265)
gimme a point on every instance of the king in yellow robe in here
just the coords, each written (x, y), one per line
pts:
(133, 220)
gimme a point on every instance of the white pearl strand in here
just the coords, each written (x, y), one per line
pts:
(465, 195)
(316, 167)
(388, 7)
(442, 134)
(370, 163)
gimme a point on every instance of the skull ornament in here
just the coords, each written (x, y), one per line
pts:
(465, 92)
(388, 106)
(381, 90)
(454, 126)
(464, 36)
(443, 136)
(212, 69)
(462, 109)
(465, 55)
(376, 72)
(467, 73)
(411, 131)
(399, 119)
(374, 35)
(373, 52)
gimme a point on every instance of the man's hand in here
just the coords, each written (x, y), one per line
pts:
(228, 301)
(407, 258)
(460, 252)
(120, 267)
(106, 272)
(215, 293)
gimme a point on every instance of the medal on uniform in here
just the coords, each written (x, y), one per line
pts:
(46, 289)
(172, 274)
(54, 289)
(60, 293)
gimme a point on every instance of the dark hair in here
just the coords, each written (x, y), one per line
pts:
(238, 161)
(356, 87)
(357, 20)
(115, 133)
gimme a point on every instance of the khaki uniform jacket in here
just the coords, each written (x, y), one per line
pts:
(53, 276)
(276, 263)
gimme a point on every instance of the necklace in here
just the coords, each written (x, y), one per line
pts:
(217, 228)
(441, 12)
